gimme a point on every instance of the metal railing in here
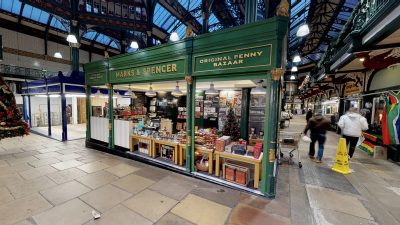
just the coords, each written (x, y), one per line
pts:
(27, 73)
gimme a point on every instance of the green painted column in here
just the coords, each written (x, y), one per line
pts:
(88, 111)
(268, 179)
(267, 134)
(244, 119)
(110, 116)
(190, 118)
(75, 50)
(250, 15)
(75, 31)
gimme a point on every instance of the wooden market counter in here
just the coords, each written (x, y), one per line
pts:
(154, 144)
(209, 152)
(135, 140)
(158, 142)
(240, 158)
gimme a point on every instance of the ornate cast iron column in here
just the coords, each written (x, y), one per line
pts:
(268, 186)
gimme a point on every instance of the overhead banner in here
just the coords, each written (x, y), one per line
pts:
(257, 56)
(176, 67)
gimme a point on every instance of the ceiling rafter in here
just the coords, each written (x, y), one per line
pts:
(323, 18)
(180, 12)
(20, 12)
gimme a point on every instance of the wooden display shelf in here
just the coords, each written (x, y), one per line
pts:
(169, 143)
(210, 156)
(135, 141)
(240, 158)
(182, 152)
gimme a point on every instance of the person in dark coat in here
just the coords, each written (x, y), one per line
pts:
(318, 125)
(309, 115)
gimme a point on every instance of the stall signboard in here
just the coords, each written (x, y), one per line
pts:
(148, 72)
(251, 57)
(351, 88)
(96, 78)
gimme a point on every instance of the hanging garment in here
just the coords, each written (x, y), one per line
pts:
(393, 118)
(385, 127)
(397, 124)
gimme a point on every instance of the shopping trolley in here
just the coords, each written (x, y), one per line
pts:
(289, 142)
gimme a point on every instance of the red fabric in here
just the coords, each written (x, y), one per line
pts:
(385, 129)
(369, 137)
(369, 144)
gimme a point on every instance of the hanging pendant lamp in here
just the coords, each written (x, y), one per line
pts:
(150, 93)
(134, 45)
(58, 55)
(98, 93)
(177, 92)
(296, 58)
(174, 37)
(212, 91)
(259, 90)
(72, 39)
(130, 93)
(117, 94)
(303, 30)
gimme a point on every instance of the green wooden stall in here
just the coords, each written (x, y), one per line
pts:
(251, 51)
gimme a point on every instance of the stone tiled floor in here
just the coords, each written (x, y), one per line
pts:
(43, 181)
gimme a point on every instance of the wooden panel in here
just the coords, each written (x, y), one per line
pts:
(81, 110)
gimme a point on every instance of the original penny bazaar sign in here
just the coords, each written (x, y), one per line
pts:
(176, 67)
(258, 56)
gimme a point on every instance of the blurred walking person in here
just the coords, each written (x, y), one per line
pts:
(318, 125)
(352, 124)
(309, 115)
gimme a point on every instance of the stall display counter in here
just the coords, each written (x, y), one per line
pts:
(197, 148)
(239, 158)
(182, 152)
(141, 140)
(254, 141)
(209, 152)
(156, 146)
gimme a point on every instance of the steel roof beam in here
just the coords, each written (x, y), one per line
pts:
(20, 12)
(223, 13)
(324, 15)
(180, 12)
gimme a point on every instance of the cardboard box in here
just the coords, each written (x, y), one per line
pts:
(242, 176)
(380, 152)
(228, 148)
(257, 150)
(222, 142)
(236, 174)
(229, 173)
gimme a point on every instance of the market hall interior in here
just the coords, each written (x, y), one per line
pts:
(195, 112)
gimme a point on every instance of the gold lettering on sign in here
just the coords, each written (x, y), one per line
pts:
(151, 70)
(351, 88)
(228, 60)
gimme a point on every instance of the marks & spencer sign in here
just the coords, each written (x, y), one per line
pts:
(142, 72)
